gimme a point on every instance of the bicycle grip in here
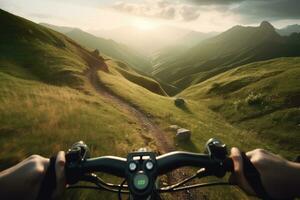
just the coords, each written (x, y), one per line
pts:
(253, 177)
(48, 184)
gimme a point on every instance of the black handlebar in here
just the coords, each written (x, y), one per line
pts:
(165, 163)
(140, 169)
(109, 164)
(177, 159)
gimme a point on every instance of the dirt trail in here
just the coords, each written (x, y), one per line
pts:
(145, 122)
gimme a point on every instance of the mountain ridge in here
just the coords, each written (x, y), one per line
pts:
(288, 30)
(108, 47)
(236, 46)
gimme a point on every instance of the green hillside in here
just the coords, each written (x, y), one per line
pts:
(105, 46)
(46, 102)
(30, 51)
(204, 122)
(239, 45)
(263, 97)
(53, 93)
(136, 78)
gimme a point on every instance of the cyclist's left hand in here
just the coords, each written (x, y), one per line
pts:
(23, 180)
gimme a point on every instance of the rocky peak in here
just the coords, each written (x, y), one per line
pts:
(267, 26)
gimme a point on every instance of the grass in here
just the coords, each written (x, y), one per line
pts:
(37, 118)
(197, 117)
(46, 104)
(262, 97)
(136, 78)
(105, 46)
(43, 54)
(230, 49)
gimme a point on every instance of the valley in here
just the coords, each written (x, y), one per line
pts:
(60, 85)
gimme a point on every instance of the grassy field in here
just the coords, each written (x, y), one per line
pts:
(197, 116)
(136, 78)
(262, 97)
(47, 103)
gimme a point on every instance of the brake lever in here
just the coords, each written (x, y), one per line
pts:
(77, 154)
(218, 150)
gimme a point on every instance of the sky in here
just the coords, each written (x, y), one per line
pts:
(198, 15)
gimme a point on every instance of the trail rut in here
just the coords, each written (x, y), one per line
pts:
(146, 124)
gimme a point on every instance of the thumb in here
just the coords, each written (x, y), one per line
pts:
(237, 177)
(60, 175)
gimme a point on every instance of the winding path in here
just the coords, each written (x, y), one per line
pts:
(163, 146)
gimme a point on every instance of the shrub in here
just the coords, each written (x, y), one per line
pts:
(237, 104)
(254, 99)
(96, 53)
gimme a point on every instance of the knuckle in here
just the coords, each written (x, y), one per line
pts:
(258, 156)
(260, 151)
(34, 157)
(38, 170)
(37, 164)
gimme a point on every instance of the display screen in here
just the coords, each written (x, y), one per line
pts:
(141, 181)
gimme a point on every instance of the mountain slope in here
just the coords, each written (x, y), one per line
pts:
(146, 41)
(46, 102)
(288, 30)
(239, 45)
(105, 46)
(27, 48)
(261, 96)
(193, 38)
(40, 115)
(131, 75)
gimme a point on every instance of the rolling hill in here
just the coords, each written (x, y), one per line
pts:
(239, 45)
(49, 101)
(126, 72)
(46, 99)
(263, 97)
(107, 47)
(54, 93)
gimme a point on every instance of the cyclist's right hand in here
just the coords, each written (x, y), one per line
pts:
(280, 177)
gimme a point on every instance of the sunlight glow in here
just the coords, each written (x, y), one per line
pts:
(144, 25)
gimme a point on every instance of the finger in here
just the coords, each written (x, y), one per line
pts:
(237, 165)
(237, 160)
(239, 177)
(250, 154)
(60, 174)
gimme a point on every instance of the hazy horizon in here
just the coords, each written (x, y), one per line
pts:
(144, 15)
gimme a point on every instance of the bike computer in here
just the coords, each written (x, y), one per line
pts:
(141, 173)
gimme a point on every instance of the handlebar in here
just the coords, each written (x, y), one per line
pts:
(108, 164)
(165, 163)
(141, 169)
(177, 159)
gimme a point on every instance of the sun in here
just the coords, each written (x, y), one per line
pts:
(144, 25)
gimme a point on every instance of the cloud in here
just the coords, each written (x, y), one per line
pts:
(248, 11)
(189, 13)
(213, 2)
(160, 9)
(256, 10)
